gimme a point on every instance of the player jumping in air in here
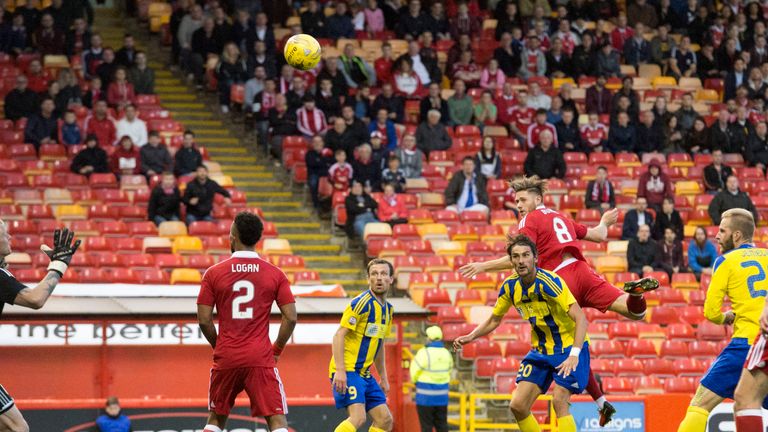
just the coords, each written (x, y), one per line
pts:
(557, 239)
(738, 273)
(14, 292)
(746, 275)
(357, 345)
(243, 289)
(559, 351)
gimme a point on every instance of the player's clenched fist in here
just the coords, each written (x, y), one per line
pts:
(62, 251)
(340, 382)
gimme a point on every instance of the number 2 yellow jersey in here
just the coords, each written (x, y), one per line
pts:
(739, 274)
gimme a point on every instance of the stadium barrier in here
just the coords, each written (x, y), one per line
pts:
(476, 425)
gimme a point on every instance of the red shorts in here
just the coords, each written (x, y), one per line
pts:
(757, 359)
(261, 384)
(589, 288)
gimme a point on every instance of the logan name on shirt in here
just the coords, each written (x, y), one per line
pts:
(245, 268)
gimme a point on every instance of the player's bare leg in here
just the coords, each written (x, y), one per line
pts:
(561, 400)
(382, 419)
(356, 419)
(523, 398)
(13, 421)
(277, 423)
(748, 400)
(704, 401)
(216, 422)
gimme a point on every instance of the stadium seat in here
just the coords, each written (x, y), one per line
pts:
(673, 349)
(137, 261)
(607, 349)
(156, 245)
(152, 277)
(201, 261)
(628, 368)
(641, 349)
(186, 245)
(688, 367)
(481, 348)
(306, 277)
(703, 350)
(681, 331)
(468, 297)
(436, 297)
(662, 368)
(617, 386)
(122, 275)
(648, 385)
(617, 248)
(185, 276)
(449, 314)
(142, 229)
(684, 281)
(93, 275)
(627, 330)
(375, 231)
(710, 332)
(679, 385)
(664, 315)
(611, 264)
(172, 229)
(70, 212)
(101, 181)
(505, 384)
(54, 196)
(113, 229)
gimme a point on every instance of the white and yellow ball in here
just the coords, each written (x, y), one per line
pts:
(302, 51)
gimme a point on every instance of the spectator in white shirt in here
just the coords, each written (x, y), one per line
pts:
(538, 99)
(418, 65)
(132, 126)
(253, 87)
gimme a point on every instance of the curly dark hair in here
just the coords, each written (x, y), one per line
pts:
(249, 228)
(520, 240)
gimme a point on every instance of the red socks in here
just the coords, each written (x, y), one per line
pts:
(749, 420)
(593, 388)
(636, 305)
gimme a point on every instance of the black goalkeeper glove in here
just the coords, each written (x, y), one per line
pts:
(62, 251)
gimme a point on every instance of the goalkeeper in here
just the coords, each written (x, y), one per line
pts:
(14, 292)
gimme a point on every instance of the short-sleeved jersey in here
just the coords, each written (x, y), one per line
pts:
(545, 305)
(369, 322)
(9, 288)
(243, 288)
(596, 135)
(741, 275)
(554, 235)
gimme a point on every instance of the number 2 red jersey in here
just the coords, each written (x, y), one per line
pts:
(243, 289)
(554, 235)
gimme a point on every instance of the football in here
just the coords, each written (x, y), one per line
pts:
(302, 51)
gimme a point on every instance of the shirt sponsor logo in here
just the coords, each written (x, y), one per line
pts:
(352, 321)
(630, 417)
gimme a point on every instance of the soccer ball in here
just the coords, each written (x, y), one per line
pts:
(302, 51)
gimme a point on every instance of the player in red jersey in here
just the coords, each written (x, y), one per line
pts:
(557, 238)
(243, 289)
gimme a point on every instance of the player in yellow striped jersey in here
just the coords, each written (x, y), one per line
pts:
(738, 273)
(357, 345)
(559, 353)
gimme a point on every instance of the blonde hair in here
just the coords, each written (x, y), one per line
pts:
(741, 220)
(529, 184)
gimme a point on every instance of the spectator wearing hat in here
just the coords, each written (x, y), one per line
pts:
(379, 153)
(654, 185)
(91, 159)
(113, 420)
(431, 373)
(165, 201)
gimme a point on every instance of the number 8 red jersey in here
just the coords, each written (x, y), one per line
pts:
(554, 235)
(243, 289)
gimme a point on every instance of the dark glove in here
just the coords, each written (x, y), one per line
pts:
(62, 251)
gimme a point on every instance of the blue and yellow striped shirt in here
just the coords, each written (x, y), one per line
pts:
(369, 322)
(545, 305)
(741, 275)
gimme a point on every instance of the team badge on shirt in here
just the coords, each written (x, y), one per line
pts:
(352, 321)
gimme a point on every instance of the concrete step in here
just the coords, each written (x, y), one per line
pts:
(222, 149)
(280, 205)
(202, 123)
(239, 160)
(257, 186)
(286, 215)
(245, 178)
(170, 88)
(219, 131)
(185, 106)
(267, 195)
(317, 249)
(326, 260)
(184, 115)
(212, 142)
(316, 237)
(175, 97)
(298, 225)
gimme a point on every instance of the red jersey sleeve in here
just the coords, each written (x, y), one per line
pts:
(205, 297)
(581, 230)
(284, 294)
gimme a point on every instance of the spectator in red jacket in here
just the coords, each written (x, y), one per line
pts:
(101, 124)
(654, 186)
(126, 160)
(392, 208)
(383, 65)
(621, 34)
(120, 93)
(37, 77)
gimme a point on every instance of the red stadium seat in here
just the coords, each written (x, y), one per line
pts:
(679, 385)
(641, 349)
(122, 275)
(681, 331)
(602, 367)
(435, 297)
(93, 244)
(94, 275)
(101, 181)
(648, 385)
(467, 297)
(169, 261)
(133, 213)
(103, 212)
(467, 131)
(152, 277)
(624, 331)
(200, 262)
(658, 367)
(628, 368)
(617, 386)
(114, 229)
(703, 350)
(505, 384)
(688, 367)
(481, 348)
(710, 331)
(449, 314)
(142, 229)
(664, 315)
(674, 349)
(137, 261)
(607, 349)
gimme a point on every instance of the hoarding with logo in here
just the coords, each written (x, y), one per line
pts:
(630, 417)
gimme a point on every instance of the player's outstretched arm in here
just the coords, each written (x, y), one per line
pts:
(483, 329)
(287, 324)
(60, 255)
(577, 315)
(381, 367)
(492, 266)
(205, 320)
(599, 233)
